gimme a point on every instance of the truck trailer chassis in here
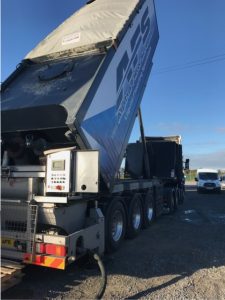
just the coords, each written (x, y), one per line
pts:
(67, 115)
(31, 231)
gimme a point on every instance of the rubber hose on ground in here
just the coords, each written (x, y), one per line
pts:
(103, 276)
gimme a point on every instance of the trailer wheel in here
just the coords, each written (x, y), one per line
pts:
(170, 201)
(199, 190)
(115, 225)
(181, 196)
(135, 216)
(148, 209)
(175, 196)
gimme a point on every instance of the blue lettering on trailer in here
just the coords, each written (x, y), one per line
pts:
(128, 70)
(125, 63)
(111, 115)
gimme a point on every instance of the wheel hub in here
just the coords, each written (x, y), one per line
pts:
(136, 216)
(117, 225)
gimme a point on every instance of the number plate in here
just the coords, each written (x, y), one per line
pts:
(7, 243)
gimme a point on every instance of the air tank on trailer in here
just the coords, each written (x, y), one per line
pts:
(82, 85)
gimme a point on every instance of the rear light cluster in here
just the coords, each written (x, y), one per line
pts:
(51, 249)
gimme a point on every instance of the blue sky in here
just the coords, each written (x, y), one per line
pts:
(186, 91)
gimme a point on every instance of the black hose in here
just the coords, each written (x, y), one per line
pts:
(103, 276)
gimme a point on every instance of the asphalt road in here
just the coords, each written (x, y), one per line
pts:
(181, 256)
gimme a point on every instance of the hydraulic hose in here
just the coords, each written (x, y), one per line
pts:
(103, 276)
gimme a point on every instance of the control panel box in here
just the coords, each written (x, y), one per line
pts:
(71, 171)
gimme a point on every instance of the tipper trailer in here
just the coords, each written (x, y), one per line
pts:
(67, 114)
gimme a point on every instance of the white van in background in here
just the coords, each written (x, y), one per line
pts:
(223, 182)
(208, 180)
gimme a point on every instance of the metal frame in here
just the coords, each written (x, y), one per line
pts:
(19, 222)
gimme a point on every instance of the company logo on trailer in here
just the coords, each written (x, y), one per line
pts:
(131, 66)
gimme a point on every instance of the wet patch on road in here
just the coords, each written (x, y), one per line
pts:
(197, 218)
(191, 216)
(216, 218)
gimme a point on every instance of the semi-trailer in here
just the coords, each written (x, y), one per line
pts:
(67, 114)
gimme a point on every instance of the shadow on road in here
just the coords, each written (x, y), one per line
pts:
(156, 288)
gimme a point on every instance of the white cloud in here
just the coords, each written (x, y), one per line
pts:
(204, 143)
(221, 129)
(215, 160)
(173, 127)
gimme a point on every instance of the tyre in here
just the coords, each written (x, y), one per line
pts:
(135, 216)
(181, 196)
(115, 221)
(199, 190)
(170, 201)
(148, 208)
(176, 197)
